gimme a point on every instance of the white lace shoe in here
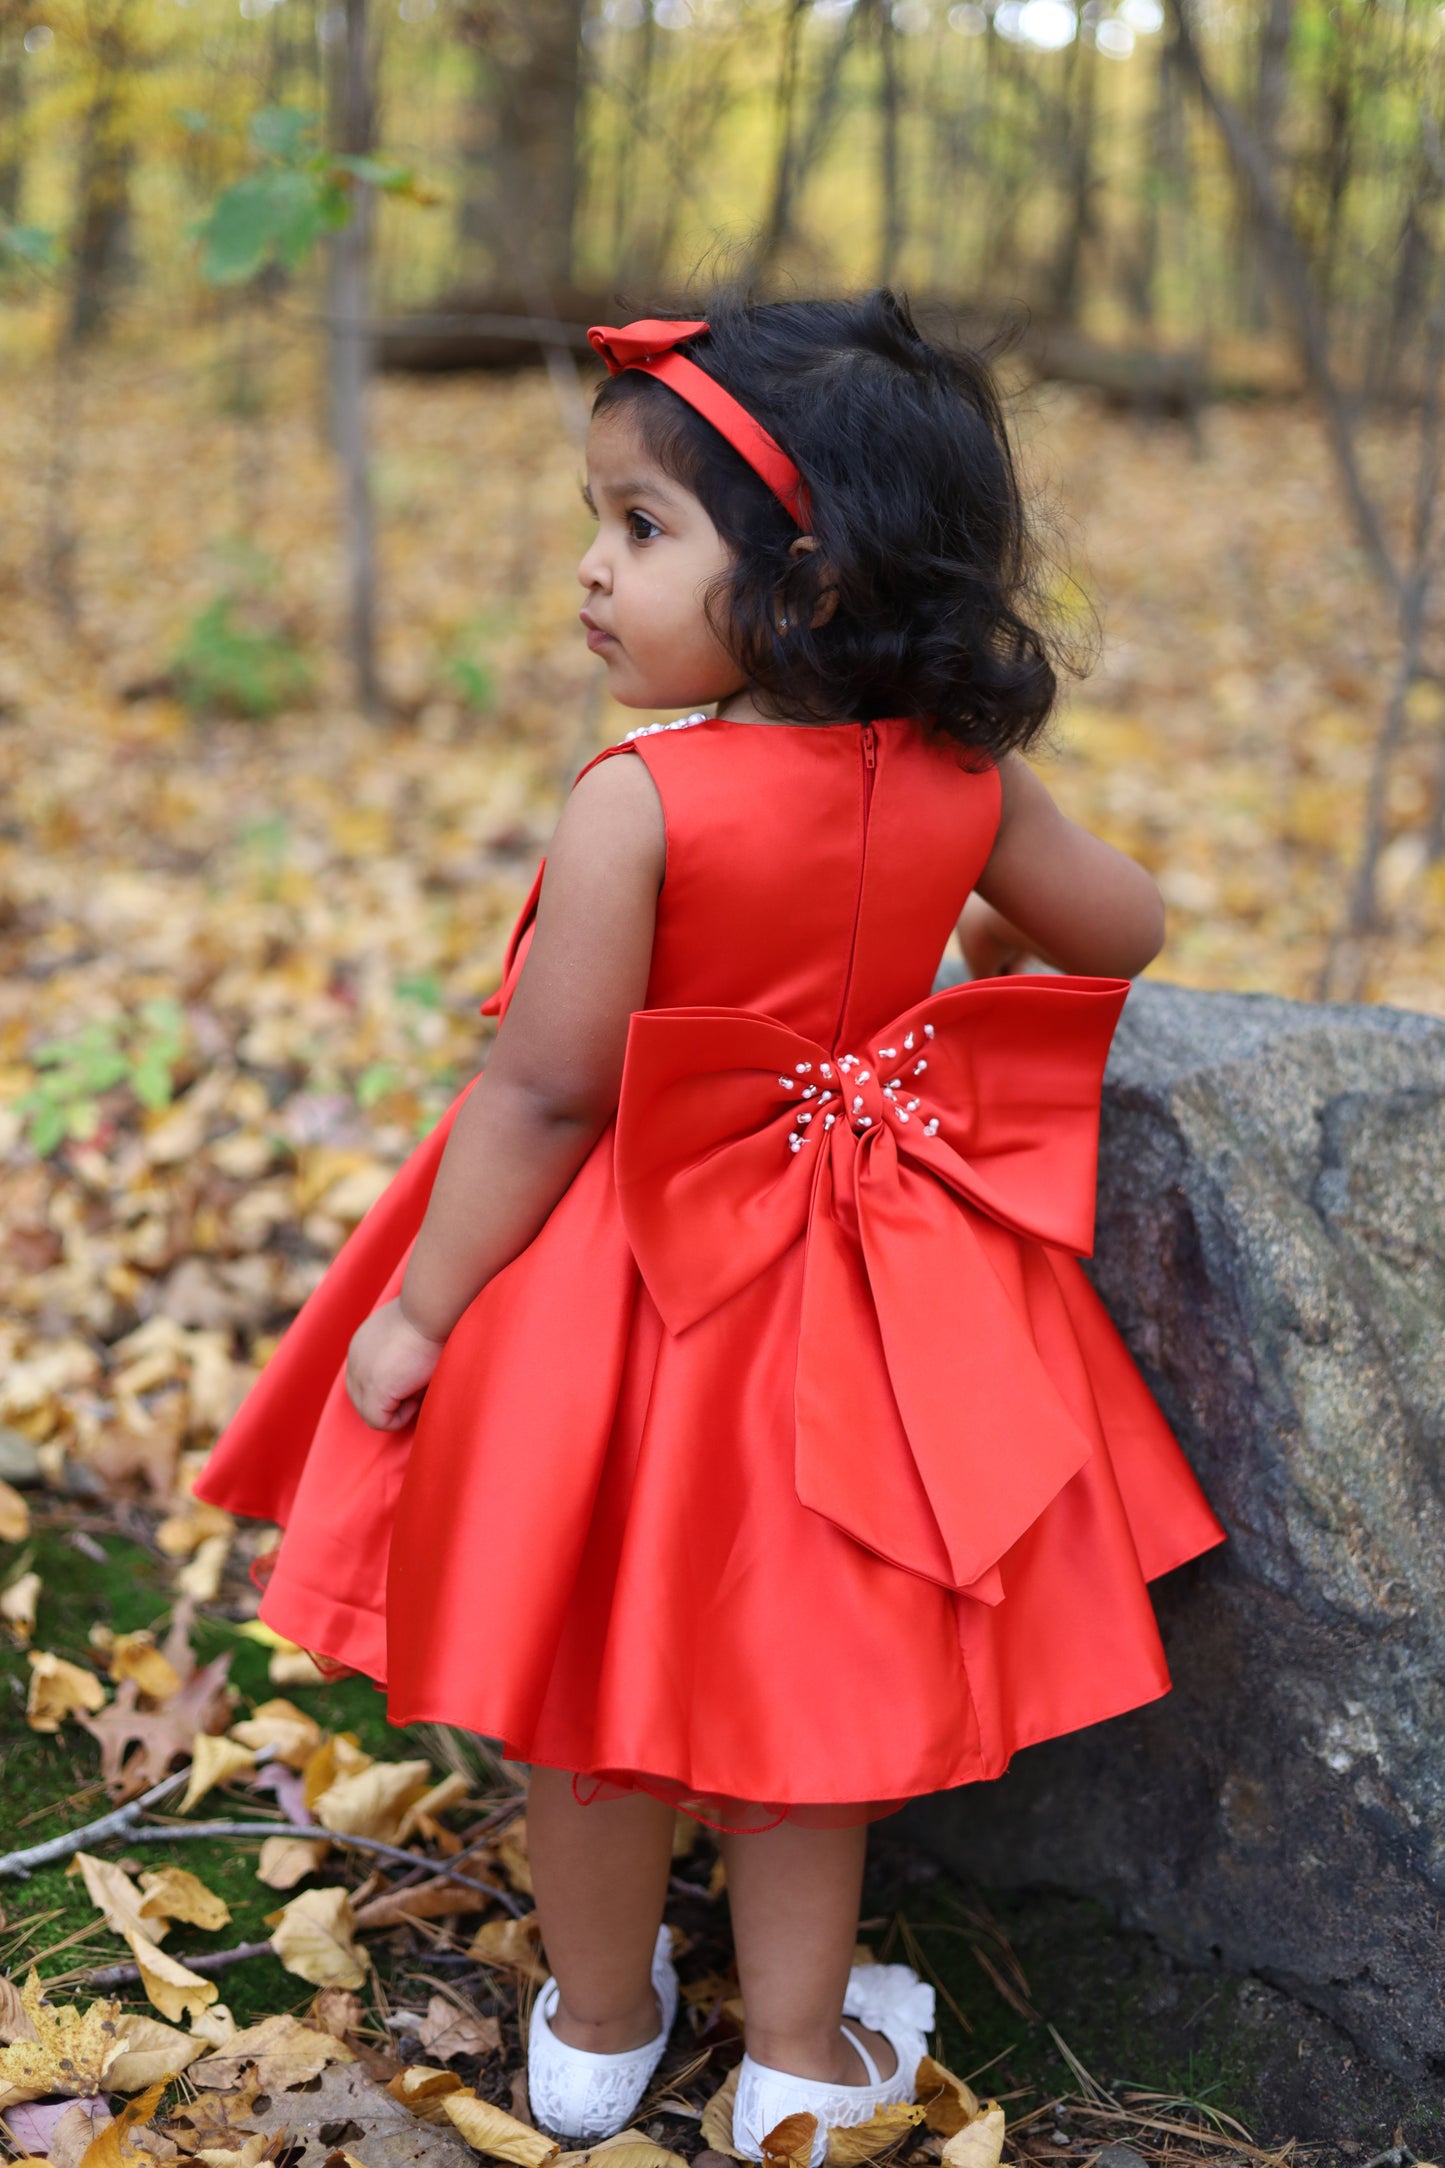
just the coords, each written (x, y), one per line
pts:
(890, 1999)
(577, 2094)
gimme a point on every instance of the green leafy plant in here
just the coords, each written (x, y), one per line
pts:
(296, 193)
(233, 662)
(142, 1052)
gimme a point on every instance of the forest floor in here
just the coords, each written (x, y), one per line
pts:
(241, 964)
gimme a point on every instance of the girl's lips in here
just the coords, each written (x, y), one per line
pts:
(597, 639)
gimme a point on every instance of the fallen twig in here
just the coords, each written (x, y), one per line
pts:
(208, 1961)
(182, 1831)
(118, 1823)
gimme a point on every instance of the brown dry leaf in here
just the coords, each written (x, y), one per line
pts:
(176, 1894)
(864, 2141)
(58, 1690)
(789, 2144)
(447, 2031)
(338, 2011)
(948, 2102)
(980, 2142)
(181, 1534)
(284, 2051)
(249, 2155)
(16, 2023)
(717, 2117)
(285, 1861)
(214, 1760)
(135, 1656)
(491, 2130)
(422, 1814)
(14, 1515)
(512, 1943)
(337, 1756)
(218, 2118)
(314, 1937)
(214, 2027)
(373, 1802)
(510, 1851)
(112, 2147)
(296, 1667)
(424, 2090)
(625, 2149)
(18, 1605)
(158, 1735)
(428, 1901)
(171, 1986)
(73, 2130)
(280, 1724)
(200, 1577)
(67, 2051)
(113, 1894)
(150, 2051)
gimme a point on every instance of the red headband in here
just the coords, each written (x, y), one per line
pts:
(648, 345)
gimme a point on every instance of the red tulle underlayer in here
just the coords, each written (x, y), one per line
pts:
(730, 1817)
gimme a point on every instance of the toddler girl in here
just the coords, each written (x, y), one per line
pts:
(713, 1410)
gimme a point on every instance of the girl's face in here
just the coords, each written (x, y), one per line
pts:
(655, 555)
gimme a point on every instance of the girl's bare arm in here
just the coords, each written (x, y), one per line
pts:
(1051, 889)
(551, 1083)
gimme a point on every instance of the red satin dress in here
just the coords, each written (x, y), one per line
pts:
(794, 1468)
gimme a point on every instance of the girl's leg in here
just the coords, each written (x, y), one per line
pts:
(794, 1895)
(600, 1874)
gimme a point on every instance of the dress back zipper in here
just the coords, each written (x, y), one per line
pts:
(868, 739)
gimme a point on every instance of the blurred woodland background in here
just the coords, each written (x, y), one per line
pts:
(295, 380)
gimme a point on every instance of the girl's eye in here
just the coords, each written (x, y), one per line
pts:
(637, 521)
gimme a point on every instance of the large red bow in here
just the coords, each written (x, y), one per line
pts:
(928, 1425)
(622, 348)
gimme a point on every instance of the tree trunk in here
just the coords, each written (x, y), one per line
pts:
(797, 158)
(102, 209)
(1064, 283)
(1271, 84)
(521, 150)
(353, 130)
(890, 241)
(12, 110)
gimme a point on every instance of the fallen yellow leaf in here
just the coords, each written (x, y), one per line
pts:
(284, 2051)
(491, 2130)
(280, 1724)
(171, 1986)
(512, 1943)
(864, 2141)
(14, 1515)
(717, 2117)
(66, 2050)
(135, 1656)
(200, 1577)
(451, 1791)
(423, 2090)
(182, 1533)
(948, 2102)
(625, 2149)
(336, 1756)
(296, 1667)
(285, 1861)
(18, 1603)
(511, 1854)
(150, 2052)
(373, 1801)
(214, 2027)
(16, 2023)
(57, 1690)
(176, 1894)
(314, 1937)
(249, 2155)
(111, 2147)
(214, 1760)
(980, 2143)
(113, 1894)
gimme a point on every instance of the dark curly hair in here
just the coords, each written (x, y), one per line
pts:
(917, 513)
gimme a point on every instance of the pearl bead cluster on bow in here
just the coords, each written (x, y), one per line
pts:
(647, 730)
(839, 1084)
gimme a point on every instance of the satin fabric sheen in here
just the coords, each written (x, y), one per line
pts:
(780, 1481)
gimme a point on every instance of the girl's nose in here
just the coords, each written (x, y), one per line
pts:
(592, 569)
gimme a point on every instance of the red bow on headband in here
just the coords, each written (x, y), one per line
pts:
(650, 344)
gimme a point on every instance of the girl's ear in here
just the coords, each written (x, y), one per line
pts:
(827, 601)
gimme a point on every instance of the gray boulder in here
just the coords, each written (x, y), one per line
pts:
(1271, 1244)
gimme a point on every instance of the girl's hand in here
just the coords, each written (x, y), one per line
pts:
(991, 944)
(388, 1367)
